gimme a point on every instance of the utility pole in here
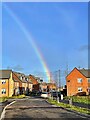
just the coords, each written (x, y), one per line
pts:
(59, 79)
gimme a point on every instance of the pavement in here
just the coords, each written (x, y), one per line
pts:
(37, 108)
(2, 105)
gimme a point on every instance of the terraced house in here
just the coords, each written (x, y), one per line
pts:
(13, 83)
(78, 80)
(27, 84)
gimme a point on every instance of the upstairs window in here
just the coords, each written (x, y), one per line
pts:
(20, 77)
(3, 81)
(79, 80)
(80, 89)
(3, 91)
(89, 80)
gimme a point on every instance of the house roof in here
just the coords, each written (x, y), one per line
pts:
(24, 77)
(5, 74)
(85, 72)
(33, 79)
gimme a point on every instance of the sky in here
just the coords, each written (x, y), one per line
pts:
(58, 30)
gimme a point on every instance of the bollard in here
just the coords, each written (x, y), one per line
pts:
(58, 99)
(61, 96)
(70, 101)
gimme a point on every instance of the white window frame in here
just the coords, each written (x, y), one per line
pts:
(79, 89)
(79, 80)
(3, 81)
(3, 91)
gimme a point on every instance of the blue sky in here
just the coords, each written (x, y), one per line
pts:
(60, 31)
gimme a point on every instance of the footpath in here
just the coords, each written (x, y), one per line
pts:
(3, 104)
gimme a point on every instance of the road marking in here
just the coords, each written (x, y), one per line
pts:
(3, 112)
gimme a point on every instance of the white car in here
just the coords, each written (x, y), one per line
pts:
(45, 95)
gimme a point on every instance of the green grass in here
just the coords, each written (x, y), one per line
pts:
(3, 99)
(70, 107)
(80, 99)
(18, 97)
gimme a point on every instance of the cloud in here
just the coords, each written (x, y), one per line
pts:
(16, 68)
(84, 47)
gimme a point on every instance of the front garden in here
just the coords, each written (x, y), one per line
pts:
(3, 99)
(70, 107)
(79, 99)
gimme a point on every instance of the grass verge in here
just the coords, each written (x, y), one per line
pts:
(70, 107)
(3, 99)
(18, 97)
(79, 99)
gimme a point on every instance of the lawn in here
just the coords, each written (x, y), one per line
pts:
(70, 107)
(80, 99)
(3, 99)
(18, 97)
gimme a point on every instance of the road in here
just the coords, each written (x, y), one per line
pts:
(37, 108)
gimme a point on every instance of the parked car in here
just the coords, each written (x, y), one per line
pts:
(44, 94)
(55, 94)
(81, 94)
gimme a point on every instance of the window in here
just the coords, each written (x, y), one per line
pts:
(79, 80)
(80, 89)
(20, 77)
(68, 80)
(3, 91)
(3, 81)
(89, 80)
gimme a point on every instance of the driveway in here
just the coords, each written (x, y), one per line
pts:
(36, 108)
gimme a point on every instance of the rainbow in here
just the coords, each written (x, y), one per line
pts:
(31, 41)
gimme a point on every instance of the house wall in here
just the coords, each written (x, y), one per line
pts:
(11, 86)
(44, 88)
(16, 78)
(4, 86)
(35, 83)
(30, 86)
(72, 83)
(16, 84)
(25, 85)
(88, 86)
(52, 87)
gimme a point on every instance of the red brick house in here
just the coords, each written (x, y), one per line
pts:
(17, 84)
(34, 82)
(26, 83)
(47, 87)
(51, 86)
(78, 80)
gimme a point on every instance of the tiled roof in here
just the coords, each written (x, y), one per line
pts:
(5, 74)
(24, 77)
(85, 72)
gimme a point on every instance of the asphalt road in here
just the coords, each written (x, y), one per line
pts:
(37, 108)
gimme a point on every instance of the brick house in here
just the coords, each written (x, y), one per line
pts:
(8, 83)
(35, 83)
(78, 80)
(51, 86)
(43, 87)
(17, 84)
(47, 87)
(14, 83)
(26, 82)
